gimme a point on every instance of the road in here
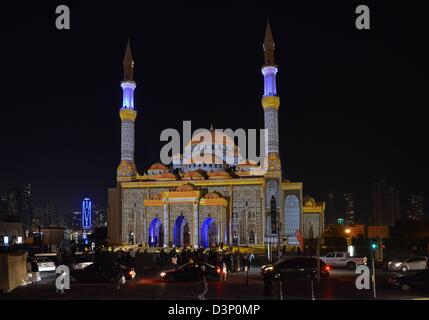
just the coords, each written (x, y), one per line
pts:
(147, 286)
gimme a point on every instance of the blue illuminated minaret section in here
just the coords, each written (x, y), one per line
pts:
(127, 169)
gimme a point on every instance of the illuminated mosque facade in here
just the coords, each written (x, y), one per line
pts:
(186, 204)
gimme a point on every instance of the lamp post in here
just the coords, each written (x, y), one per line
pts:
(278, 239)
(348, 232)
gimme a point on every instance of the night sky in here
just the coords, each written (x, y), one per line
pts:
(353, 102)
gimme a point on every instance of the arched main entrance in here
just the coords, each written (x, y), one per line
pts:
(181, 232)
(156, 233)
(209, 233)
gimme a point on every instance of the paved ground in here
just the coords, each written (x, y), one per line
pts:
(340, 285)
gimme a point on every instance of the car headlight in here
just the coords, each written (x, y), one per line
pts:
(398, 264)
(163, 274)
(270, 268)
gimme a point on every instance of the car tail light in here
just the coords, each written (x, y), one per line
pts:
(218, 270)
(327, 268)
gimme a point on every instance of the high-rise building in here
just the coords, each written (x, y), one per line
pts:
(415, 207)
(19, 204)
(99, 216)
(386, 204)
(86, 214)
(76, 220)
(37, 220)
(50, 216)
(3, 205)
(330, 217)
(350, 217)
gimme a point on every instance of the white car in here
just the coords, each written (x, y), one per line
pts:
(343, 259)
(45, 264)
(82, 265)
(406, 263)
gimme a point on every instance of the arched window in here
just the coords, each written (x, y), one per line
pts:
(292, 218)
(252, 239)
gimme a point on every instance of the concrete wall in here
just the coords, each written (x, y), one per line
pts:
(114, 217)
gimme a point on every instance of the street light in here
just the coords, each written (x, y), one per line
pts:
(278, 239)
(350, 250)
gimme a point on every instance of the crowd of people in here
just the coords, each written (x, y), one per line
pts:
(231, 261)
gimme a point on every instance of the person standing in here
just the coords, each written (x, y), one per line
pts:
(35, 274)
(224, 271)
(174, 261)
(250, 259)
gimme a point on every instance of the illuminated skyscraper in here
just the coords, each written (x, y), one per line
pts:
(86, 214)
(415, 207)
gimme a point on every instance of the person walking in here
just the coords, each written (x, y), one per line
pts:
(119, 275)
(204, 284)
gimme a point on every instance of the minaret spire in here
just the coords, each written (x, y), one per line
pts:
(269, 46)
(271, 103)
(127, 169)
(128, 63)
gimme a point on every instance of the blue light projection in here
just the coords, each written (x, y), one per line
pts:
(154, 232)
(128, 94)
(178, 230)
(86, 214)
(205, 232)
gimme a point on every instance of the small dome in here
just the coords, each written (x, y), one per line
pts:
(185, 187)
(197, 175)
(247, 163)
(155, 196)
(166, 176)
(309, 201)
(221, 174)
(212, 195)
(158, 166)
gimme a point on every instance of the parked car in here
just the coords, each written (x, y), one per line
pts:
(295, 267)
(191, 272)
(406, 282)
(405, 263)
(45, 264)
(82, 265)
(95, 273)
(343, 259)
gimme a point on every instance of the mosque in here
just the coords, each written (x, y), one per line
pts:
(186, 204)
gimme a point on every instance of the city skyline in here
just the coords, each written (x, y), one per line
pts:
(358, 142)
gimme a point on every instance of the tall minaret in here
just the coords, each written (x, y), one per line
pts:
(271, 103)
(127, 168)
